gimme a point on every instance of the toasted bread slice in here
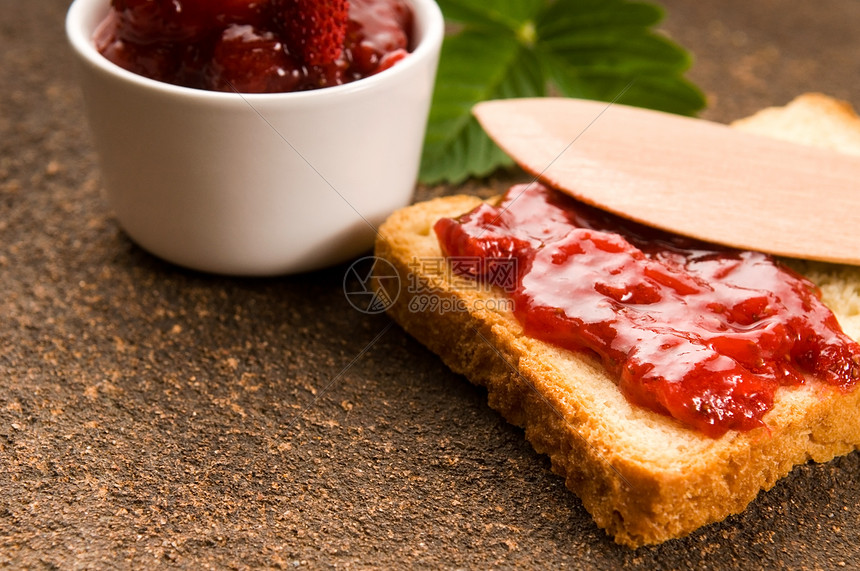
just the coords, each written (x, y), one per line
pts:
(644, 477)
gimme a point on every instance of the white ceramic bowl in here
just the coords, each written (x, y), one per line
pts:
(257, 184)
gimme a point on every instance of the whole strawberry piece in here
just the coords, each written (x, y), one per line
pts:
(156, 61)
(249, 60)
(147, 22)
(315, 29)
(377, 35)
(224, 12)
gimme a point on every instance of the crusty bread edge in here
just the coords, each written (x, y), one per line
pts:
(812, 119)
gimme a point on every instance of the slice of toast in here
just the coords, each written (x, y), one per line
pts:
(644, 477)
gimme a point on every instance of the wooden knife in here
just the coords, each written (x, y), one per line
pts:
(689, 176)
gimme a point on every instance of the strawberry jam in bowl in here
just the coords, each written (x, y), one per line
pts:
(256, 46)
(256, 137)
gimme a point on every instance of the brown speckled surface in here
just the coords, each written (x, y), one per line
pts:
(151, 416)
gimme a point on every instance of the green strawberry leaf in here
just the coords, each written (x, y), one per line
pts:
(590, 49)
(456, 146)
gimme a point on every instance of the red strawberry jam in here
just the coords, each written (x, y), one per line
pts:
(692, 330)
(256, 46)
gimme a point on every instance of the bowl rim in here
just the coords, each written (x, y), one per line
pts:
(84, 16)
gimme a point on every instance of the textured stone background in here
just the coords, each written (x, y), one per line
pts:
(154, 416)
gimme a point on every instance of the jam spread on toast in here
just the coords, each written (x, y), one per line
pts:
(702, 333)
